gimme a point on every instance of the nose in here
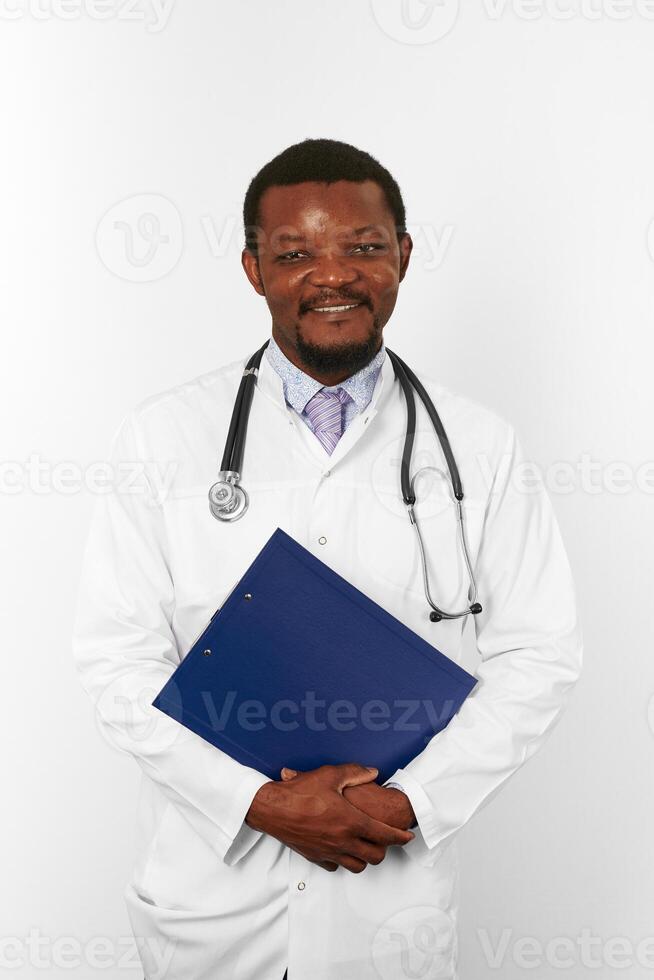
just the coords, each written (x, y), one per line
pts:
(332, 271)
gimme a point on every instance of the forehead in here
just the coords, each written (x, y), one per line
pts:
(313, 207)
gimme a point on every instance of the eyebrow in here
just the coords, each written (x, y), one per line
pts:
(301, 238)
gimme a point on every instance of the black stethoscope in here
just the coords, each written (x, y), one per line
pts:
(228, 500)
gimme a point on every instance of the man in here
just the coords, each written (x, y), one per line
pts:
(240, 876)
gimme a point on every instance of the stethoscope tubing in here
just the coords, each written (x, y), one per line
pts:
(235, 443)
(232, 461)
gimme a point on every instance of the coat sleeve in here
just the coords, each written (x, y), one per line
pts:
(125, 651)
(530, 645)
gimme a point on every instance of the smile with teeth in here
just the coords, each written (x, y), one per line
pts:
(334, 309)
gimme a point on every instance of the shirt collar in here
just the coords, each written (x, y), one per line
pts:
(299, 387)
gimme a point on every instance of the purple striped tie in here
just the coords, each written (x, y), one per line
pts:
(325, 412)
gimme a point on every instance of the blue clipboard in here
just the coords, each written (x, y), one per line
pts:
(300, 668)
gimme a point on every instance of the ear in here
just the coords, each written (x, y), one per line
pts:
(288, 774)
(406, 247)
(250, 263)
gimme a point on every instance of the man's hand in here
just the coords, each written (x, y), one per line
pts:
(389, 805)
(309, 813)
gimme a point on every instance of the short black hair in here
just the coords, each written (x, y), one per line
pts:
(324, 161)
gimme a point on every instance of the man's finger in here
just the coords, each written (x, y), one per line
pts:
(351, 863)
(382, 833)
(352, 774)
(365, 850)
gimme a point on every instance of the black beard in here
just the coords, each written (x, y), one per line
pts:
(341, 357)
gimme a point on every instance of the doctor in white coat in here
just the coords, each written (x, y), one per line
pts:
(325, 874)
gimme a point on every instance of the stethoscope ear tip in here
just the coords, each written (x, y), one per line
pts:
(475, 608)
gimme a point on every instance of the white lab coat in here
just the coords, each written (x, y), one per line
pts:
(210, 897)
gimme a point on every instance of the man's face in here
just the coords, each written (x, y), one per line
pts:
(323, 246)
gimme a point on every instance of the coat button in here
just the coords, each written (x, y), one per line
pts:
(322, 540)
(300, 885)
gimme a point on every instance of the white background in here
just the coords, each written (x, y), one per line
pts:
(522, 140)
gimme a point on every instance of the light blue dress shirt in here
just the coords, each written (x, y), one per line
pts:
(300, 387)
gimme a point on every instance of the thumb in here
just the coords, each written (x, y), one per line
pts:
(288, 773)
(353, 774)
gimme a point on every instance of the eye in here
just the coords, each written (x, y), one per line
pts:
(370, 245)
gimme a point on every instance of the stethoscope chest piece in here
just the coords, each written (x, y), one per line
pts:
(227, 500)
